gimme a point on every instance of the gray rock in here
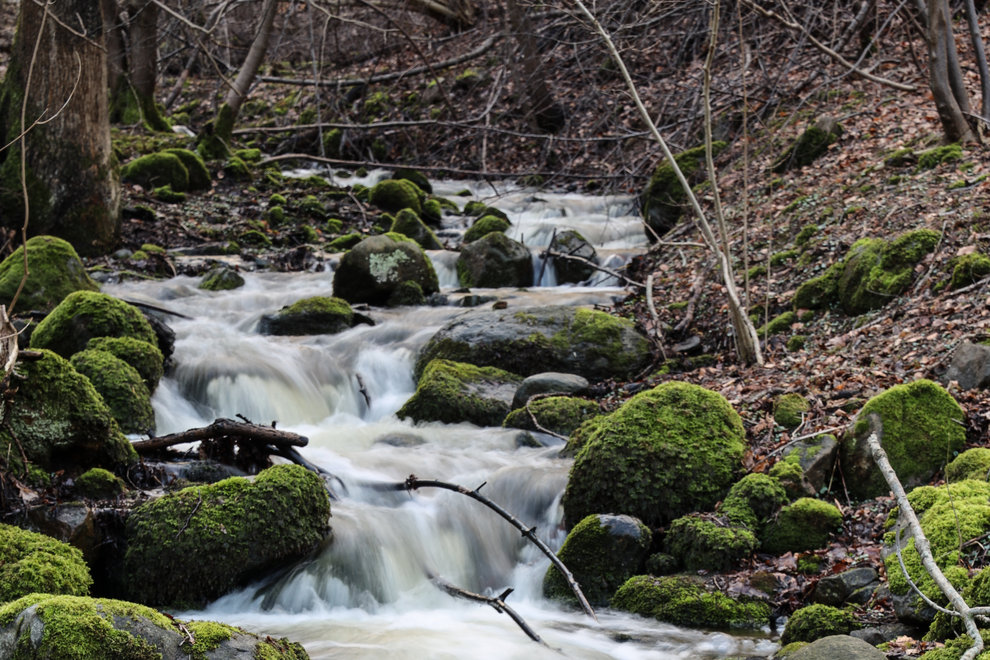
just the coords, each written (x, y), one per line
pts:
(970, 366)
(495, 260)
(838, 589)
(549, 381)
(571, 243)
(400, 440)
(71, 522)
(816, 456)
(876, 635)
(838, 646)
(375, 268)
(454, 392)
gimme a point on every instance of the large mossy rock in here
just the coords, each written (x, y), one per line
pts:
(559, 414)
(32, 562)
(146, 358)
(682, 601)
(531, 340)
(60, 420)
(872, 273)
(573, 244)
(753, 501)
(707, 542)
(485, 225)
(455, 392)
(156, 170)
(408, 223)
(192, 546)
(921, 429)
(318, 315)
(393, 195)
(377, 267)
(663, 200)
(806, 524)
(42, 626)
(601, 552)
(86, 314)
(809, 146)
(121, 387)
(54, 271)
(666, 452)
(493, 261)
(816, 621)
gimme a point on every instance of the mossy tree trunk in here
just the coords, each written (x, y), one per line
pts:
(132, 45)
(71, 176)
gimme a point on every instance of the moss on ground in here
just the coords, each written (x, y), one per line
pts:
(973, 463)
(788, 409)
(98, 483)
(683, 602)
(968, 269)
(32, 562)
(753, 500)
(156, 170)
(778, 324)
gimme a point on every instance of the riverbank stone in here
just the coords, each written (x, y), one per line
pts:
(665, 452)
(559, 414)
(684, 601)
(663, 200)
(546, 383)
(54, 271)
(970, 366)
(816, 621)
(373, 270)
(531, 340)
(601, 552)
(222, 535)
(922, 425)
(454, 392)
(494, 261)
(83, 315)
(32, 562)
(572, 243)
(317, 315)
(221, 278)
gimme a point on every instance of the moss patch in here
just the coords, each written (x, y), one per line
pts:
(816, 621)
(121, 387)
(97, 483)
(968, 269)
(560, 414)
(393, 195)
(806, 524)
(788, 409)
(85, 314)
(683, 602)
(31, 562)
(146, 358)
(706, 542)
(316, 315)
(484, 225)
(455, 392)
(55, 271)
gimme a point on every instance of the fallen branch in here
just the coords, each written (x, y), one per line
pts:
(222, 428)
(608, 271)
(497, 602)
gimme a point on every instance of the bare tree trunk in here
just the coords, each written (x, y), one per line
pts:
(945, 76)
(457, 14)
(547, 114)
(73, 188)
(143, 60)
(981, 57)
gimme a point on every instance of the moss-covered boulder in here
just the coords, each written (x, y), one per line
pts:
(43, 626)
(812, 459)
(408, 223)
(816, 621)
(921, 428)
(374, 268)
(54, 271)
(806, 524)
(415, 176)
(560, 414)
(663, 200)
(809, 146)
(572, 244)
(221, 278)
(531, 340)
(789, 409)
(96, 483)
(455, 392)
(495, 260)
(968, 269)
(393, 195)
(86, 314)
(683, 601)
(60, 420)
(601, 552)
(146, 358)
(708, 542)
(955, 648)
(753, 501)
(971, 464)
(121, 387)
(666, 452)
(199, 176)
(318, 315)
(485, 225)
(155, 170)
(872, 273)
(32, 562)
(221, 535)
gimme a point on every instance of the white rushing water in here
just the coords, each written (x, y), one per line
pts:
(366, 594)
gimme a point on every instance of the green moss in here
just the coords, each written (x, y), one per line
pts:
(415, 176)
(753, 501)
(486, 224)
(345, 242)
(968, 269)
(167, 195)
(683, 602)
(704, 542)
(788, 409)
(199, 176)
(408, 224)
(313, 207)
(121, 387)
(663, 199)
(818, 292)
(83, 315)
(816, 621)
(221, 278)
(806, 234)
(901, 158)
(779, 258)
(806, 524)
(780, 323)
(809, 146)
(393, 195)
(600, 556)
(752, 273)
(31, 562)
(97, 483)
(579, 436)
(155, 170)
(971, 464)
(665, 452)
(223, 534)
(790, 474)
(450, 392)
(600, 332)
(249, 155)
(560, 414)
(406, 293)
(796, 343)
(54, 271)
(237, 169)
(810, 564)
(310, 316)
(254, 238)
(433, 211)
(936, 156)
(955, 648)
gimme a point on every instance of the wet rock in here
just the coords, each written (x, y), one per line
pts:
(571, 243)
(495, 260)
(455, 392)
(855, 585)
(838, 646)
(549, 381)
(374, 269)
(317, 315)
(557, 414)
(221, 278)
(970, 366)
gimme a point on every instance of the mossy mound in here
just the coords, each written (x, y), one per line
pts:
(393, 195)
(407, 223)
(145, 357)
(374, 268)
(121, 387)
(495, 260)
(662, 201)
(778, 324)
(199, 176)
(816, 621)
(54, 271)
(971, 464)
(485, 225)
(579, 436)
(97, 483)
(684, 602)
(664, 453)
(872, 273)
(810, 145)
(946, 153)
(86, 314)
(976, 594)
(61, 421)
(79, 628)
(318, 315)
(806, 524)
(221, 278)
(707, 542)
(955, 648)
(156, 170)
(32, 562)
(788, 410)
(602, 552)
(221, 535)
(560, 414)
(415, 176)
(753, 500)
(968, 269)
(921, 428)
(455, 392)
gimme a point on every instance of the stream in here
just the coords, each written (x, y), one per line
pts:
(366, 593)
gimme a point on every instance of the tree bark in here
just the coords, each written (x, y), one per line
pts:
(945, 76)
(547, 114)
(143, 60)
(73, 188)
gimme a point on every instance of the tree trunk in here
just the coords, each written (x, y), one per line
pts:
(945, 76)
(73, 188)
(142, 63)
(547, 114)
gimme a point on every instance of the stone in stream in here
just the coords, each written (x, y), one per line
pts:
(494, 261)
(454, 392)
(546, 382)
(572, 271)
(377, 267)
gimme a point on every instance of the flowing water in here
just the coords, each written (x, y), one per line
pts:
(366, 594)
